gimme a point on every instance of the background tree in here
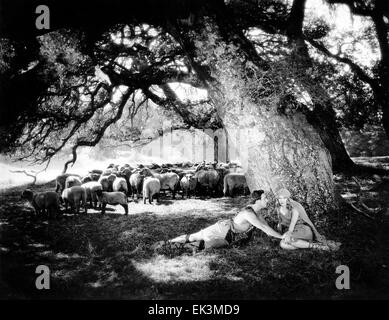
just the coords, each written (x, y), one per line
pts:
(376, 14)
(80, 80)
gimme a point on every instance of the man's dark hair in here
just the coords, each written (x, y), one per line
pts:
(255, 195)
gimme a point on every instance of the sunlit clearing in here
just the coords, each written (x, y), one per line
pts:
(196, 207)
(182, 268)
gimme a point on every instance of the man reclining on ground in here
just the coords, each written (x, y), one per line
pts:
(225, 232)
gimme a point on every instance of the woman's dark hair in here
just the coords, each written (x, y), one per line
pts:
(255, 195)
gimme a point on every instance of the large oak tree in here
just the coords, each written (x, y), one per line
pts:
(198, 42)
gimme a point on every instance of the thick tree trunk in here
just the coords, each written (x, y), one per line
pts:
(280, 151)
(324, 123)
(277, 150)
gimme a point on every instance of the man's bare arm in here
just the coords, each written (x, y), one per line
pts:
(261, 224)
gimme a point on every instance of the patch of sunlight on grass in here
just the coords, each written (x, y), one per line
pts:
(64, 274)
(61, 255)
(37, 245)
(348, 195)
(46, 253)
(130, 234)
(96, 284)
(182, 268)
(196, 207)
(234, 278)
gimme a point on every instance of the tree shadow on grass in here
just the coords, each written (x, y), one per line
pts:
(109, 256)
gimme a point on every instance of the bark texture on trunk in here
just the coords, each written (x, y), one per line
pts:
(281, 151)
(277, 150)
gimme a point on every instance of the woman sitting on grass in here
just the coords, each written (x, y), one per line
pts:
(225, 232)
(300, 229)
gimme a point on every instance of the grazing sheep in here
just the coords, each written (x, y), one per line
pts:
(72, 181)
(91, 189)
(96, 171)
(111, 179)
(86, 179)
(107, 182)
(120, 184)
(95, 176)
(183, 173)
(207, 181)
(154, 166)
(187, 164)
(136, 182)
(112, 198)
(233, 181)
(74, 196)
(188, 184)
(106, 172)
(61, 179)
(126, 174)
(222, 165)
(43, 201)
(104, 182)
(151, 188)
(146, 172)
(169, 181)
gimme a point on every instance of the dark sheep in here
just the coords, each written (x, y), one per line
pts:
(43, 202)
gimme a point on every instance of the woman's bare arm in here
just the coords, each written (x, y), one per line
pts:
(261, 224)
(295, 216)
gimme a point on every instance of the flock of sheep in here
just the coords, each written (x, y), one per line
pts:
(115, 184)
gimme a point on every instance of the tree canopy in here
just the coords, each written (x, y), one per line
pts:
(103, 62)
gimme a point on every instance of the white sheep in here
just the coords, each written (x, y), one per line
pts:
(120, 184)
(112, 198)
(107, 182)
(60, 181)
(86, 179)
(169, 181)
(72, 181)
(43, 201)
(91, 188)
(188, 184)
(151, 188)
(136, 182)
(74, 196)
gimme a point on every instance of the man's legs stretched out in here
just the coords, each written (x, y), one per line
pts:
(188, 237)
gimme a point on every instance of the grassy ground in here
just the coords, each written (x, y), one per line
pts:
(94, 256)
